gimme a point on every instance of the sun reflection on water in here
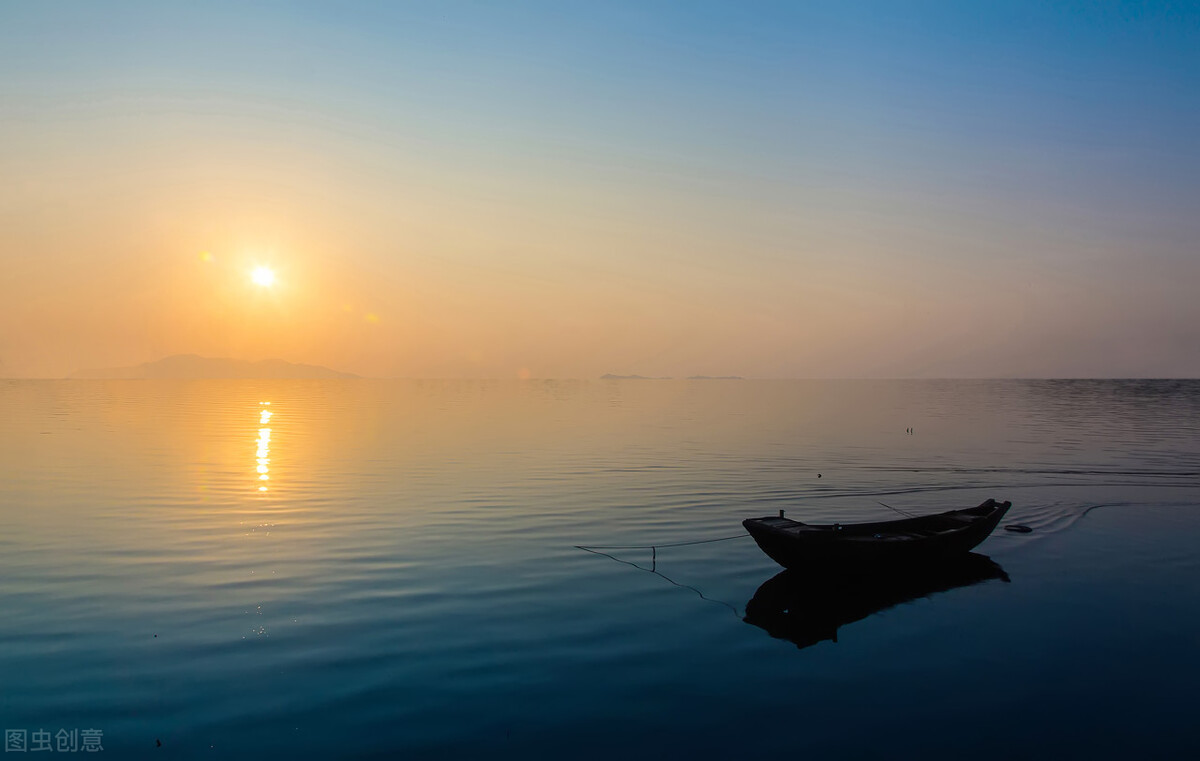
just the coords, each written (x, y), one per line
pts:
(263, 454)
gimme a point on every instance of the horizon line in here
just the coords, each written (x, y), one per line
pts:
(357, 377)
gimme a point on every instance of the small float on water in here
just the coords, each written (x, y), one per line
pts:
(910, 540)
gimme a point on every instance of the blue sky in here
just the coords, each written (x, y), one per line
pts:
(786, 189)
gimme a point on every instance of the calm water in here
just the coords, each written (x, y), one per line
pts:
(404, 582)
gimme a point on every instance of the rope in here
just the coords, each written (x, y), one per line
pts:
(654, 570)
(590, 547)
(902, 512)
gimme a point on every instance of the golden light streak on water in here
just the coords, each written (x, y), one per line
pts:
(262, 455)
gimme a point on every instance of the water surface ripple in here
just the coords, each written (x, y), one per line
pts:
(390, 567)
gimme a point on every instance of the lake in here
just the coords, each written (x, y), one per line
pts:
(391, 568)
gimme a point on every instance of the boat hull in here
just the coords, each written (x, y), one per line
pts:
(913, 540)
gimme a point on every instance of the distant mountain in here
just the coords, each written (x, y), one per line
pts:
(610, 376)
(188, 366)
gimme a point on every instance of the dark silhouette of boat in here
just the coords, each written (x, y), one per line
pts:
(808, 605)
(911, 540)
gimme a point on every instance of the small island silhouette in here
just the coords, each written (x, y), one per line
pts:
(192, 366)
(611, 376)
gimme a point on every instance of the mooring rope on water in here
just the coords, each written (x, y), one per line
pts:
(590, 547)
(596, 550)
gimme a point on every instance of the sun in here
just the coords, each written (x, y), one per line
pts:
(263, 276)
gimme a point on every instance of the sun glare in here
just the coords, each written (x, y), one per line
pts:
(263, 276)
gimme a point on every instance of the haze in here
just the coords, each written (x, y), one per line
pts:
(566, 190)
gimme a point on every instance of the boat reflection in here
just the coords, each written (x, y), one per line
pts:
(808, 605)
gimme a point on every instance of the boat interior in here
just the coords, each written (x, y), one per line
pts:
(912, 528)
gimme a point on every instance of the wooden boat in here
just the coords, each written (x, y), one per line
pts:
(911, 540)
(809, 605)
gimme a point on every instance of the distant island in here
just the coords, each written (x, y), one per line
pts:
(191, 366)
(610, 376)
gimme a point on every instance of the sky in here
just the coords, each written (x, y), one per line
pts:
(566, 189)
